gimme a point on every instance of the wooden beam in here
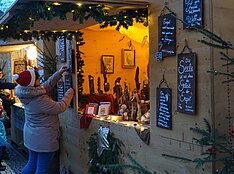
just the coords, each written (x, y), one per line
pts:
(136, 4)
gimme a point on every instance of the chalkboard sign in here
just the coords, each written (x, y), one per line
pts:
(186, 89)
(60, 90)
(164, 109)
(68, 84)
(167, 35)
(71, 56)
(193, 13)
(19, 66)
(62, 49)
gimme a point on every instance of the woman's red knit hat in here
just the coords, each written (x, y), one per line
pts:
(25, 78)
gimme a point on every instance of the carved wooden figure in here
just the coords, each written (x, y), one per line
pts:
(91, 84)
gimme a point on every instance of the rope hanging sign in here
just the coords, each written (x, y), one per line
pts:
(164, 105)
(166, 34)
(186, 81)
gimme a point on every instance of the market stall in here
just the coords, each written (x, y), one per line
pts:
(112, 74)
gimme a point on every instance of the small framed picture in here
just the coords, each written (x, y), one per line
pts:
(104, 110)
(107, 64)
(128, 58)
(19, 66)
(91, 109)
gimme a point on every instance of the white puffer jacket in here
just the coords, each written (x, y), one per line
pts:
(41, 128)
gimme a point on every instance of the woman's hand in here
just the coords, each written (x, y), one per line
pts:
(71, 90)
(63, 69)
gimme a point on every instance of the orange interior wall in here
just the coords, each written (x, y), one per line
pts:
(111, 42)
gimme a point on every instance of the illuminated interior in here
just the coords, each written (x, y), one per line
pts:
(112, 44)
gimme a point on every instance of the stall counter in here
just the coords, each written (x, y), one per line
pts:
(17, 124)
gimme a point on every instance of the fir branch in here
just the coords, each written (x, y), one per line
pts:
(139, 169)
(134, 161)
(200, 131)
(177, 157)
(221, 73)
(207, 124)
(212, 45)
(203, 31)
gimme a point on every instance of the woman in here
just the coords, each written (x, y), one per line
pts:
(41, 128)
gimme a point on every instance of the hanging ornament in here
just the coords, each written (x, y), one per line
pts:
(212, 149)
(102, 141)
(232, 129)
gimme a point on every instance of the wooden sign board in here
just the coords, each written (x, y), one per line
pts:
(60, 90)
(186, 90)
(62, 49)
(19, 66)
(193, 13)
(68, 84)
(167, 35)
(71, 58)
(164, 108)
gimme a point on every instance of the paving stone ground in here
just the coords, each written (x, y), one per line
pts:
(16, 160)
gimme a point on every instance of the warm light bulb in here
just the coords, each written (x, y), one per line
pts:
(56, 3)
(31, 52)
(79, 4)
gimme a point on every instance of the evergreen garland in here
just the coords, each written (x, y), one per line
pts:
(214, 143)
(136, 167)
(109, 162)
(27, 13)
(112, 156)
(80, 62)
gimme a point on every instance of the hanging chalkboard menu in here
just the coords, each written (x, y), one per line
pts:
(164, 109)
(167, 35)
(71, 56)
(193, 13)
(186, 89)
(60, 90)
(62, 49)
(68, 84)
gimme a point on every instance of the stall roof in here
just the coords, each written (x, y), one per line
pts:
(14, 46)
(115, 4)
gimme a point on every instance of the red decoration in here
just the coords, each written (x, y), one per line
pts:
(233, 129)
(212, 149)
(85, 121)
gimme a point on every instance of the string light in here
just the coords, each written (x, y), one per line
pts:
(79, 4)
(56, 3)
(140, 14)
